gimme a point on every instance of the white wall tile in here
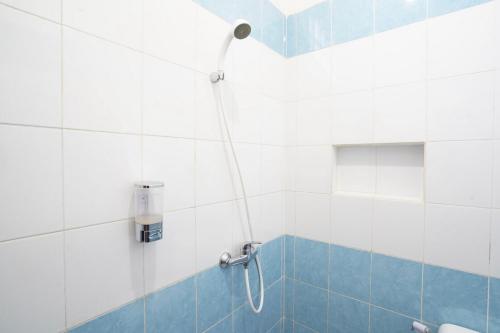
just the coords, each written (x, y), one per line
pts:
(289, 214)
(116, 20)
(497, 98)
(214, 172)
(250, 161)
(291, 109)
(241, 231)
(314, 74)
(50, 9)
(449, 55)
(399, 113)
(162, 263)
(400, 171)
(103, 269)
(313, 169)
(458, 238)
(352, 120)
(31, 178)
(292, 78)
(100, 170)
(313, 216)
(496, 174)
(169, 106)
(246, 70)
(32, 284)
(244, 110)
(273, 169)
(291, 168)
(164, 27)
(398, 228)
(459, 173)
(356, 171)
(30, 69)
(461, 107)
(208, 120)
(211, 242)
(275, 67)
(352, 65)
(495, 244)
(271, 224)
(400, 55)
(172, 162)
(272, 121)
(102, 84)
(314, 121)
(352, 220)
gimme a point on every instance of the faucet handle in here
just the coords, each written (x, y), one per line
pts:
(250, 247)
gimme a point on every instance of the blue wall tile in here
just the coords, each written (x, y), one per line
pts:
(310, 306)
(289, 290)
(288, 326)
(127, 319)
(298, 328)
(292, 35)
(289, 256)
(350, 272)
(440, 7)
(271, 255)
(314, 28)
(172, 309)
(214, 296)
(225, 9)
(352, 19)
(347, 315)
(311, 262)
(494, 326)
(383, 321)
(390, 14)
(273, 27)
(396, 284)
(225, 326)
(455, 297)
(245, 321)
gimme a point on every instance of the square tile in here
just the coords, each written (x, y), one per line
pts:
(273, 27)
(399, 113)
(347, 315)
(256, 163)
(314, 121)
(31, 178)
(102, 84)
(351, 19)
(447, 53)
(459, 173)
(271, 259)
(214, 296)
(396, 284)
(289, 256)
(495, 244)
(314, 28)
(454, 296)
(461, 107)
(350, 272)
(311, 262)
(383, 321)
(158, 156)
(314, 74)
(30, 67)
(119, 259)
(352, 118)
(273, 168)
(311, 306)
(400, 54)
(164, 312)
(313, 216)
(398, 228)
(168, 105)
(224, 326)
(33, 284)
(99, 168)
(352, 221)
(458, 237)
(496, 174)
(494, 317)
(313, 169)
(162, 264)
(288, 298)
(271, 224)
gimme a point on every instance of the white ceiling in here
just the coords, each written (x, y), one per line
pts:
(289, 7)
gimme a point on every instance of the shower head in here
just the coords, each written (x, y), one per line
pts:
(241, 29)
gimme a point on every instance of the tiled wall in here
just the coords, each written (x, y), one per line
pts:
(434, 82)
(95, 96)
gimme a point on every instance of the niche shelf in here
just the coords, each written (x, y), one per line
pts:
(394, 170)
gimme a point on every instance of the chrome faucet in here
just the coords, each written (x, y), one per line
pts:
(249, 251)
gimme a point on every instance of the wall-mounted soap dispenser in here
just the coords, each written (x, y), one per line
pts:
(148, 211)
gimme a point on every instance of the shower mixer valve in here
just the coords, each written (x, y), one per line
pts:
(249, 251)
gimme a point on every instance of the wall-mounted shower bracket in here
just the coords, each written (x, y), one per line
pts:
(216, 76)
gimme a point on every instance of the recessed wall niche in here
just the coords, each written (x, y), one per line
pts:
(385, 170)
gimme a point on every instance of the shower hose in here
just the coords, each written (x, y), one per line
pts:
(255, 309)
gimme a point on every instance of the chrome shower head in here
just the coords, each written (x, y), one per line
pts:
(241, 29)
